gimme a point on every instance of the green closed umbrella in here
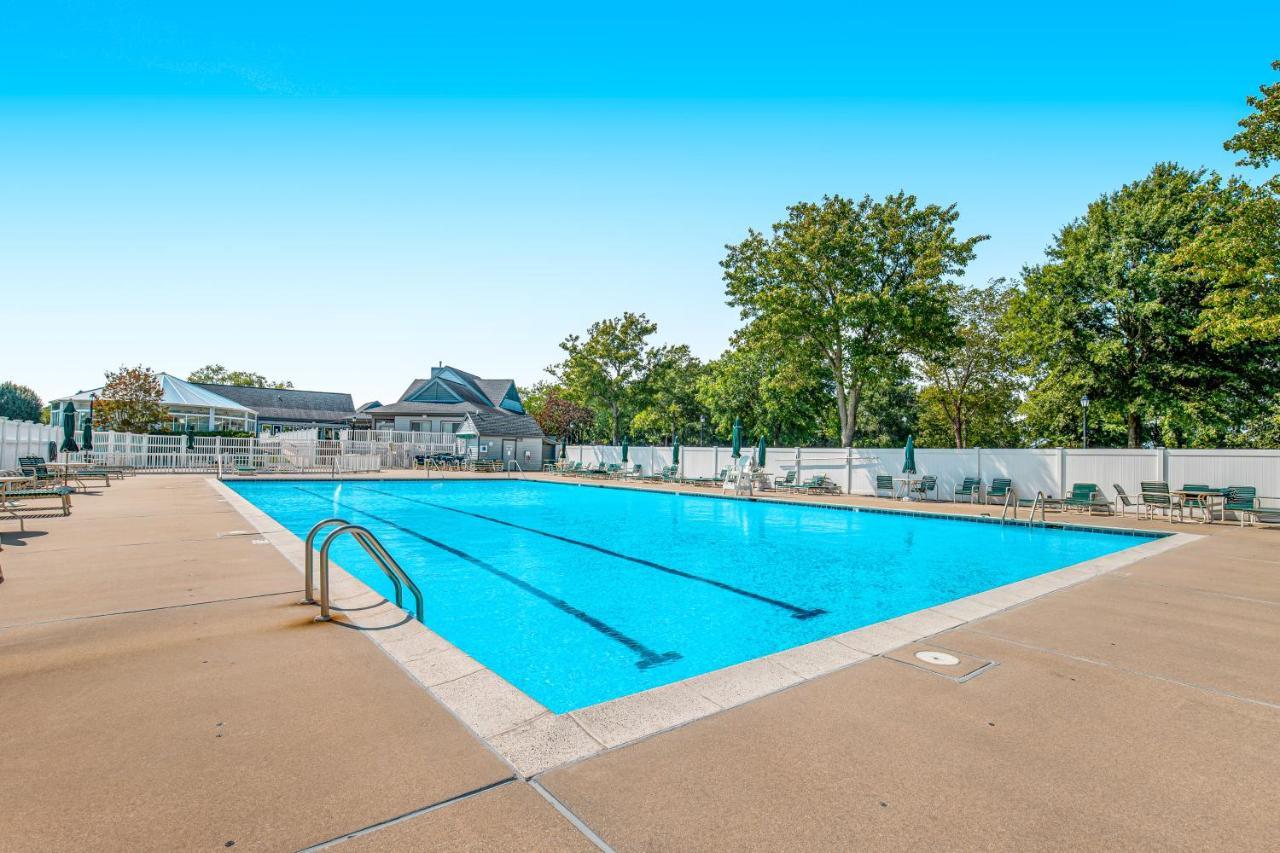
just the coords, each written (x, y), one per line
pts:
(675, 450)
(69, 428)
(909, 457)
(86, 437)
(625, 447)
(737, 438)
(760, 452)
(564, 446)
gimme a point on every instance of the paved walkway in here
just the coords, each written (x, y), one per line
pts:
(159, 689)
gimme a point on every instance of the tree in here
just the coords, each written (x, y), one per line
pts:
(1112, 312)
(216, 374)
(669, 396)
(130, 401)
(857, 283)
(972, 387)
(1242, 254)
(564, 419)
(776, 393)
(19, 403)
(607, 370)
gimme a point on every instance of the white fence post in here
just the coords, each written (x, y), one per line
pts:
(848, 465)
(1062, 471)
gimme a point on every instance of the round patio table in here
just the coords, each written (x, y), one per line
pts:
(69, 470)
(903, 489)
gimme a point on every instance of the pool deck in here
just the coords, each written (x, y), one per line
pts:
(160, 689)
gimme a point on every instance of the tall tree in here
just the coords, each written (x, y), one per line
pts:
(860, 283)
(669, 397)
(130, 401)
(216, 374)
(607, 369)
(973, 385)
(1242, 254)
(19, 403)
(1112, 312)
(775, 390)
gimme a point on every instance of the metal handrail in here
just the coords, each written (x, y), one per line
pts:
(307, 572)
(385, 561)
(1010, 495)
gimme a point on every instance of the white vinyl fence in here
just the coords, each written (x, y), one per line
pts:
(24, 438)
(1048, 470)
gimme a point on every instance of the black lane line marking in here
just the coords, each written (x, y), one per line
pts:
(797, 612)
(648, 657)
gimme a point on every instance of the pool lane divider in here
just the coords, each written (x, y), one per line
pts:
(796, 611)
(648, 657)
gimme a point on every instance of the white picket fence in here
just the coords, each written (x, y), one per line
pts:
(25, 438)
(1048, 470)
(298, 451)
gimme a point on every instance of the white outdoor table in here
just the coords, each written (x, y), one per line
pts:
(903, 489)
(1207, 502)
(69, 470)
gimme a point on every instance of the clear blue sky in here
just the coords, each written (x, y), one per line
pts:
(344, 199)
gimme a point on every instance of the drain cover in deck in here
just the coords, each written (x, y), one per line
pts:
(945, 662)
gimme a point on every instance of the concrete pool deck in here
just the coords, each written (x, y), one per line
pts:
(1138, 709)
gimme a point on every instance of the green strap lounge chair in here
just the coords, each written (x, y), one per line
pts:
(61, 494)
(1243, 501)
(1124, 500)
(971, 489)
(928, 483)
(1087, 496)
(1156, 498)
(999, 490)
(666, 475)
(33, 467)
(785, 484)
(884, 483)
(818, 484)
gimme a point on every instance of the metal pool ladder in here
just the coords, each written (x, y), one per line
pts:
(372, 547)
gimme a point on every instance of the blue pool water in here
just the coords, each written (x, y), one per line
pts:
(577, 594)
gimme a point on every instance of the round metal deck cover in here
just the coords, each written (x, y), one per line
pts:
(938, 658)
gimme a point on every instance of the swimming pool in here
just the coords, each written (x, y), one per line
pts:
(577, 595)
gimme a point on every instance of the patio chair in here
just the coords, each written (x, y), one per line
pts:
(1156, 498)
(785, 484)
(33, 467)
(634, 473)
(1243, 501)
(1087, 496)
(928, 483)
(971, 488)
(1124, 500)
(999, 489)
(884, 483)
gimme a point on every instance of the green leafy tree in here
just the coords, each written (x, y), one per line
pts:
(216, 374)
(19, 403)
(776, 393)
(858, 283)
(1242, 254)
(130, 401)
(669, 397)
(972, 388)
(1112, 314)
(607, 370)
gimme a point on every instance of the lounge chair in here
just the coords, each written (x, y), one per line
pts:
(635, 472)
(33, 467)
(999, 490)
(666, 475)
(928, 483)
(884, 483)
(1156, 498)
(1087, 496)
(785, 484)
(32, 491)
(1243, 501)
(818, 484)
(971, 488)
(1124, 500)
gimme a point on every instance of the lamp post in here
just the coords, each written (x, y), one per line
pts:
(92, 398)
(702, 430)
(1084, 420)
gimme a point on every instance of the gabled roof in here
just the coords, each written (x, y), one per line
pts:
(468, 393)
(505, 425)
(288, 403)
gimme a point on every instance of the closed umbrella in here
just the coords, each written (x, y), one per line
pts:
(564, 446)
(625, 447)
(675, 450)
(737, 438)
(86, 437)
(909, 457)
(760, 452)
(69, 428)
